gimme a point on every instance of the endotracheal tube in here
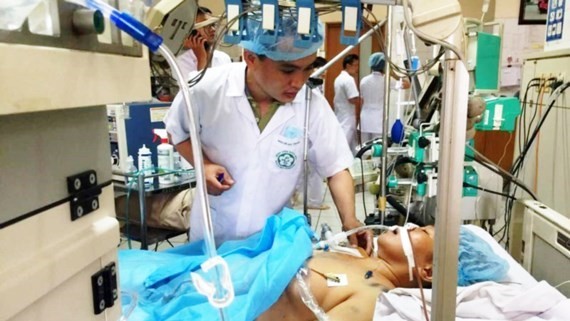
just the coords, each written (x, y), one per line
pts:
(331, 243)
(220, 293)
(336, 238)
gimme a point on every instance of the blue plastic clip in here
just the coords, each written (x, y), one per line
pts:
(350, 5)
(233, 36)
(269, 37)
(415, 65)
(305, 40)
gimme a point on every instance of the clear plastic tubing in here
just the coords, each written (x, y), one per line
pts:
(343, 235)
(143, 34)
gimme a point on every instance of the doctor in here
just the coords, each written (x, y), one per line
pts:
(250, 119)
(372, 97)
(347, 99)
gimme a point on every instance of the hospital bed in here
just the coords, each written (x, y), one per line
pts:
(518, 297)
(152, 283)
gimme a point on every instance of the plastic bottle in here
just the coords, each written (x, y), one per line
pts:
(398, 130)
(131, 169)
(165, 154)
(145, 163)
(177, 166)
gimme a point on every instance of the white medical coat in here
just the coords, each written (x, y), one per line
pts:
(372, 93)
(345, 89)
(188, 62)
(265, 166)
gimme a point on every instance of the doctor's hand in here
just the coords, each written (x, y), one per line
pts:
(361, 239)
(218, 180)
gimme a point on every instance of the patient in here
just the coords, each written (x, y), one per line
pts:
(368, 277)
(263, 269)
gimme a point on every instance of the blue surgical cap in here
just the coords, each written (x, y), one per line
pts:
(283, 48)
(477, 261)
(376, 61)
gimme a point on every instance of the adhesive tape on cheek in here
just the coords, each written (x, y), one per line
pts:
(375, 247)
(408, 251)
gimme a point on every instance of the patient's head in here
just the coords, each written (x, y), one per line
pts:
(390, 250)
(476, 262)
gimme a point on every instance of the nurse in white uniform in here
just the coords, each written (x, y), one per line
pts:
(347, 99)
(372, 97)
(250, 120)
(199, 45)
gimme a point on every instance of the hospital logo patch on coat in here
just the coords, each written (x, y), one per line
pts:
(285, 159)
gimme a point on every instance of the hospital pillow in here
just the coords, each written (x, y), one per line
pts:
(261, 268)
(477, 261)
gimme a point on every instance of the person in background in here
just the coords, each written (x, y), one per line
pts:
(347, 99)
(251, 119)
(372, 97)
(320, 62)
(199, 44)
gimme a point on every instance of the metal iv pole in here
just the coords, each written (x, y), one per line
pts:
(384, 159)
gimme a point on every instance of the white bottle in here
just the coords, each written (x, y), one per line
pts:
(131, 169)
(145, 164)
(165, 155)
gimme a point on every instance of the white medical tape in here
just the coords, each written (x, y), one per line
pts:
(375, 246)
(408, 251)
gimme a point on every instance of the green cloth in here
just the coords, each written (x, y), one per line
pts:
(262, 121)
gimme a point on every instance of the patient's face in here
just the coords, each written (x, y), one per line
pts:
(390, 245)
